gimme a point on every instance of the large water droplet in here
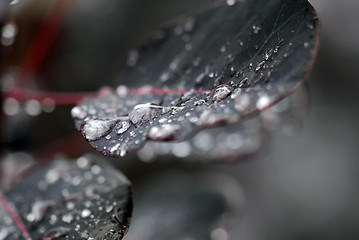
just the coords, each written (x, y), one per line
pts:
(85, 213)
(143, 112)
(163, 132)
(78, 113)
(221, 92)
(94, 129)
(38, 210)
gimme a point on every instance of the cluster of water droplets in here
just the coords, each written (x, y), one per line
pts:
(81, 200)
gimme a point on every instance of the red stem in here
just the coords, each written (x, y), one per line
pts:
(42, 42)
(68, 98)
(10, 210)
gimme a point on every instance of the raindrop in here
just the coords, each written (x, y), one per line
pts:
(221, 92)
(8, 34)
(259, 66)
(231, 2)
(67, 218)
(94, 129)
(219, 234)
(115, 148)
(11, 106)
(181, 150)
(33, 107)
(85, 213)
(122, 91)
(38, 211)
(262, 102)
(77, 112)
(144, 112)
(163, 132)
(55, 233)
(13, 2)
(82, 162)
(256, 29)
(306, 44)
(48, 105)
(124, 126)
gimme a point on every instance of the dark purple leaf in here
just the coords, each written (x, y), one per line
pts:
(217, 67)
(179, 205)
(85, 199)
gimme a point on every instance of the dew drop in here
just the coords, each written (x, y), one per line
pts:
(122, 91)
(306, 44)
(262, 102)
(67, 218)
(231, 2)
(143, 112)
(77, 112)
(11, 106)
(221, 92)
(124, 126)
(8, 34)
(94, 129)
(85, 213)
(55, 233)
(163, 132)
(38, 211)
(256, 29)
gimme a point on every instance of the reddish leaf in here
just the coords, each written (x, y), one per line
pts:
(217, 67)
(82, 200)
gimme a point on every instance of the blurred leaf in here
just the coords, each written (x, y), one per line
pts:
(178, 205)
(217, 67)
(82, 200)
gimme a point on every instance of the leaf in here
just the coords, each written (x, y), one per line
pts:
(217, 67)
(68, 200)
(178, 205)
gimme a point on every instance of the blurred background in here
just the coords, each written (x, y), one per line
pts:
(302, 186)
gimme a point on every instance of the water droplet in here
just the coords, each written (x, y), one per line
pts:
(262, 102)
(115, 148)
(52, 176)
(221, 92)
(82, 162)
(11, 106)
(70, 206)
(38, 211)
(163, 132)
(67, 218)
(85, 213)
(219, 234)
(182, 149)
(94, 129)
(77, 112)
(33, 107)
(306, 44)
(200, 78)
(8, 34)
(13, 2)
(48, 105)
(259, 66)
(122, 91)
(55, 233)
(123, 153)
(241, 102)
(144, 112)
(231, 2)
(256, 29)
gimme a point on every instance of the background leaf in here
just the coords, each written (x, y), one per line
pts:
(83, 200)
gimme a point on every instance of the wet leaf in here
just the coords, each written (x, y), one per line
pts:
(217, 67)
(178, 205)
(85, 199)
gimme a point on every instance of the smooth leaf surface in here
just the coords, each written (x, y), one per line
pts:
(68, 200)
(217, 67)
(179, 205)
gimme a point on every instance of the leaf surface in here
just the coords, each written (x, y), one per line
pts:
(68, 200)
(217, 67)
